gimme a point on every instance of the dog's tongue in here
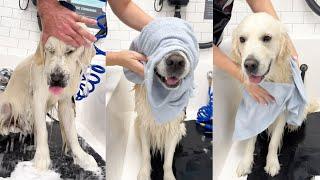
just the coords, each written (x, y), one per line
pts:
(56, 90)
(255, 79)
(172, 80)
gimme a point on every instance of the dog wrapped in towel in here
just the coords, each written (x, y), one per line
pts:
(162, 95)
(158, 39)
(253, 118)
(289, 110)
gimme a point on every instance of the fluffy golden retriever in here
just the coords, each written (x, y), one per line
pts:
(163, 137)
(261, 48)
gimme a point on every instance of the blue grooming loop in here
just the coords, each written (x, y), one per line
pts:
(89, 81)
(205, 113)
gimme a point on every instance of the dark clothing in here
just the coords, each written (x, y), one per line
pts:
(222, 10)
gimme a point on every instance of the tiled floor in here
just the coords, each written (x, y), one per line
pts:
(15, 148)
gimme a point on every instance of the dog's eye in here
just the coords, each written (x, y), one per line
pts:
(51, 51)
(69, 52)
(266, 38)
(242, 39)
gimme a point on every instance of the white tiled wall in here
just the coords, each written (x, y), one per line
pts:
(19, 32)
(295, 14)
(121, 36)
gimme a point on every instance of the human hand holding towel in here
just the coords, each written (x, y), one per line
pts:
(128, 59)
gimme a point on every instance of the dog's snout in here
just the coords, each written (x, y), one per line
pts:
(176, 62)
(56, 77)
(251, 65)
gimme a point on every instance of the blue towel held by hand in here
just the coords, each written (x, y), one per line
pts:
(157, 39)
(253, 118)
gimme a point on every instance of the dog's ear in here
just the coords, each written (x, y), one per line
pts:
(87, 55)
(235, 53)
(285, 50)
(39, 54)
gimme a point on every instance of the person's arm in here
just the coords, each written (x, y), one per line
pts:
(222, 61)
(129, 13)
(61, 23)
(266, 6)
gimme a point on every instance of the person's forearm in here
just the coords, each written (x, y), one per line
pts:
(129, 13)
(266, 6)
(262, 6)
(222, 61)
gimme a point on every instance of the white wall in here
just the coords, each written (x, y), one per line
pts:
(295, 14)
(19, 32)
(121, 35)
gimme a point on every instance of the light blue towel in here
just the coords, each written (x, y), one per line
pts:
(253, 118)
(156, 40)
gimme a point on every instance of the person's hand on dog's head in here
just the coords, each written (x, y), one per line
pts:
(128, 59)
(62, 23)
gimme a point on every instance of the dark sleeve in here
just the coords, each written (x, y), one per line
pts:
(221, 16)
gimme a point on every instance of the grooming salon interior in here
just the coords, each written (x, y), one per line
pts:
(91, 109)
(159, 89)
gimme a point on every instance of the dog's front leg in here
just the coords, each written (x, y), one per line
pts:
(272, 165)
(42, 156)
(170, 147)
(66, 116)
(245, 165)
(145, 168)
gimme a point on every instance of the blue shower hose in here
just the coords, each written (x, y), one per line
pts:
(205, 113)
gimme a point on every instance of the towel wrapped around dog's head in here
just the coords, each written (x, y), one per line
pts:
(156, 40)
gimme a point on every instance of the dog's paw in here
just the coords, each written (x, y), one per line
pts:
(42, 160)
(144, 173)
(244, 168)
(86, 161)
(272, 166)
(168, 175)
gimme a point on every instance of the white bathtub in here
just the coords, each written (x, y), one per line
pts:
(123, 150)
(226, 99)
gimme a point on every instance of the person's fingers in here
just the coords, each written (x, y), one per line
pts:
(266, 99)
(137, 68)
(271, 98)
(139, 56)
(69, 40)
(267, 95)
(76, 36)
(85, 20)
(87, 35)
(262, 100)
(254, 97)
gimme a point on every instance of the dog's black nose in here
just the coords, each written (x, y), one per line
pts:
(177, 62)
(251, 65)
(56, 77)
